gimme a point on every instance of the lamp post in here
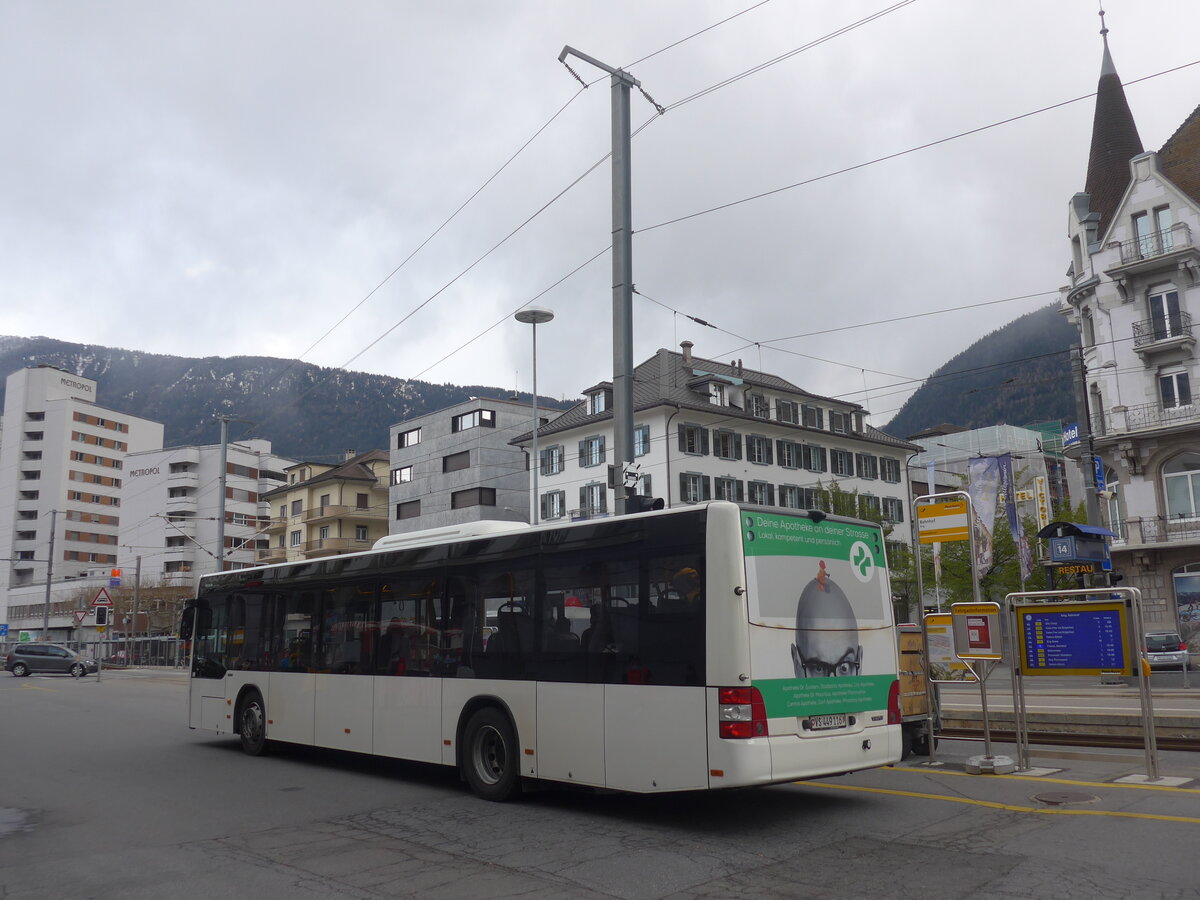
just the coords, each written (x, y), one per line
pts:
(534, 316)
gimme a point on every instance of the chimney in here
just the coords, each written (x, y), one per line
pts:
(349, 455)
(686, 346)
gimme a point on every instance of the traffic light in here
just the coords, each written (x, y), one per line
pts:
(636, 503)
(101, 615)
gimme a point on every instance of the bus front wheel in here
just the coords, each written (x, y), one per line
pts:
(490, 759)
(252, 722)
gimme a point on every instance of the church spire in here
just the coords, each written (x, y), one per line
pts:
(1115, 140)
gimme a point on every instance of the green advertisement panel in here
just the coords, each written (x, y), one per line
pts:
(819, 696)
(819, 594)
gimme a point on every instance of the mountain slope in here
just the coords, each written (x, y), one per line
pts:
(1017, 375)
(306, 411)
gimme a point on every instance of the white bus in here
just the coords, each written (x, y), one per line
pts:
(707, 647)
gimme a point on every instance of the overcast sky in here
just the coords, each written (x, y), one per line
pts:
(235, 178)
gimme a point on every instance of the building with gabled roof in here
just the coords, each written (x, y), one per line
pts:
(328, 509)
(710, 430)
(1134, 289)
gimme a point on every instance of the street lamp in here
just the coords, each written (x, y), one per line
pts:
(535, 316)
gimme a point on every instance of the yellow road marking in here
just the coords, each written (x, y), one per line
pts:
(1112, 784)
(37, 687)
(1008, 807)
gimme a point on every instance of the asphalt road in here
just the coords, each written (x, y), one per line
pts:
(104, 793)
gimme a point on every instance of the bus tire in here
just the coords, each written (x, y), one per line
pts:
(490, 760)
(252, 724)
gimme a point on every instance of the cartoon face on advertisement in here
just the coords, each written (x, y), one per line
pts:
(827, 639)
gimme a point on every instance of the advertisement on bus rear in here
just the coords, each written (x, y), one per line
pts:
(819, 592)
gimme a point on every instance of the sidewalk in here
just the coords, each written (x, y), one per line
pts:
(1056, 763)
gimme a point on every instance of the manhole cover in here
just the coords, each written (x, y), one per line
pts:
(1062, 798)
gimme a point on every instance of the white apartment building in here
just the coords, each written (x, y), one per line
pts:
(171, 504)
(459, 465)
(705, 430)
(1134, 288)
(61, 452)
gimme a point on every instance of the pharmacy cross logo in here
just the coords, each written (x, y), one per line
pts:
(861, 562)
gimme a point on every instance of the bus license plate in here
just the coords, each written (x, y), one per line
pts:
(822, 723)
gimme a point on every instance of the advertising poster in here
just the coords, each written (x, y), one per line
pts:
(984, 488)
(819, 593)
(944, 664)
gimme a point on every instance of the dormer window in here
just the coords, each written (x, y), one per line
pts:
(716, 393)
(760, 407)
(839, 422)
(812, 416)
(597, 402)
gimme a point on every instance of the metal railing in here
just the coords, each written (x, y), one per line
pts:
(1158, 243)
(1160, 529)
(123, 652)
(1119, 420)
(1151, 331)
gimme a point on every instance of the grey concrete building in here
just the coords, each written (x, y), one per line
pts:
(456, 465)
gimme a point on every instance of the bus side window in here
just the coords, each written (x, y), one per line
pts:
(410, 633)
(347, 615)
(296, 609)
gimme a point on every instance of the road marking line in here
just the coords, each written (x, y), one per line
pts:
(37, 687)
(989, 804)
(1042, 780)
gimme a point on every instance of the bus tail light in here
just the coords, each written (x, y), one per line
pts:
(741, 713)
(894, 703)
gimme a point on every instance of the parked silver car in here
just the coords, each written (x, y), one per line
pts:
(28, 658)
(1166, 650)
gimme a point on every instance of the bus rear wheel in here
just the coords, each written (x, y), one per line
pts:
(490, 760)
(252, 722)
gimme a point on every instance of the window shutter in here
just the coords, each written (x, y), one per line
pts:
(705, 488)
(737, 446)
(601, 453)
(682, 441)
(646, 489)
(544, 506)
(704, 441)
(583, 453)
(583, 498)
(767, 447)
(739, 491)
(770, 495)
(683, 486)
(602, 496)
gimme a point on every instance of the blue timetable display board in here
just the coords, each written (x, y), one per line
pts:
(1073, 638)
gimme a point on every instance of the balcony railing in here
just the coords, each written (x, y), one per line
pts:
(1151, 331)
(1123, 419)
(342, 512)
(1160, 529)
(1158, 243)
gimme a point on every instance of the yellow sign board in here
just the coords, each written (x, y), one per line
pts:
(943, 522)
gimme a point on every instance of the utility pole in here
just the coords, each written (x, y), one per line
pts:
(49, 573)
(1086, 438)
(622, 266)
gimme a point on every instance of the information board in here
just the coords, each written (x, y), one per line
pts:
(943, 522)
(977, 630)
(1073, 638)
